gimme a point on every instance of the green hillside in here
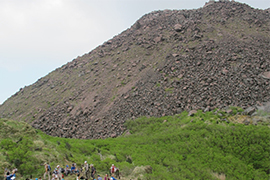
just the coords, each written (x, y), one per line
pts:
(201, 146)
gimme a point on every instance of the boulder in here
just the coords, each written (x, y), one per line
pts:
(249, 111)
(266, 75)
(178, 27)
(192, 112)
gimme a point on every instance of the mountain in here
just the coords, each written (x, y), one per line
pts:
(167, 62)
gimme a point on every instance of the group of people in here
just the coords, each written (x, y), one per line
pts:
(59, 173)
(88, 171)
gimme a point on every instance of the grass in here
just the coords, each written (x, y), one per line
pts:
(113, 98)
(169, 90)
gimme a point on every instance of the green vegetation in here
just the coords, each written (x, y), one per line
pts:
(173, 147)
(169, 90)
(113, 98)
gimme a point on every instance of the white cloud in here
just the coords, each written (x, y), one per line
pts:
(51, 27)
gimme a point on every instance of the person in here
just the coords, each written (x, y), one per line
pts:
(112, 177)
(86, 170)
(73, 169)
(56, 174)
(11, 176)
(47, 171)
(39, 178)
(59, 176)
(99, 178)
(93, 171)
(106, 177)
(115, 170)
(112, 169)
(67, 171)
(7, 173)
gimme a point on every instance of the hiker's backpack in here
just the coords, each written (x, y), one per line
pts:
(49, 168)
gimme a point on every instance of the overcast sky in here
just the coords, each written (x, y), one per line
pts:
(38, 36)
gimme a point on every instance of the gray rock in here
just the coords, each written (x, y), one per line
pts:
(249, 111)
(178, 27)
(192, 112)
(266, 75)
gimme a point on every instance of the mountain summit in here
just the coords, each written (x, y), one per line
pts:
(167, 62)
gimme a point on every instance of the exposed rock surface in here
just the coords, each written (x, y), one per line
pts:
(167, 62)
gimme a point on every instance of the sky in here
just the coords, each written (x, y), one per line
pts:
(38, 36)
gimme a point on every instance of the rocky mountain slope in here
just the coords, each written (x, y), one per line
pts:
(167, 62)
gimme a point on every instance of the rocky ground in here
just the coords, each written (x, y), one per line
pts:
(167, 62)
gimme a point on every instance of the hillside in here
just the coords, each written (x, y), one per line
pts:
(201, 146)
(167, 62)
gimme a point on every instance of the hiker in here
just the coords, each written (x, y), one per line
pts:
(47, 171)
(106, 177)
(56, 174)
(39, 178)
(11, 176)
(112, 177)
(60, 171)
(115, 170)
(93, 171)
(99, 178)
(73, 169)
(6, 173)
(67, 171)
(86, 168)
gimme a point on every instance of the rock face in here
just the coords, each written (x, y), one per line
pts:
(167, 62)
